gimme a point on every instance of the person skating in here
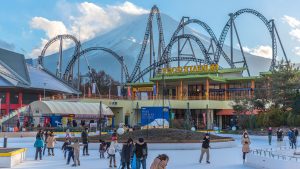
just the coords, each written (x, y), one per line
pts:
(205, 148)
(65, 147)
(85, 141)
(46, 134)
(246, 145)
(270, 133)
(38, 144)
(296, 134)
(160, 162)
(141, 153)
(111, 151)
(102, 148)
(127, 153)
(76, 148)
(50, 144)
(291, 136)
(279, 137)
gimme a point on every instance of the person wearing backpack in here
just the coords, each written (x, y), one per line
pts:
(160, 162)
(38, 144)
(111, 151)
(141, 152)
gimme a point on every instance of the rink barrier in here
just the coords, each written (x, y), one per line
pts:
(265, 158)
(12, 158)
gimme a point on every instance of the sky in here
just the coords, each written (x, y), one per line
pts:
(27, 25)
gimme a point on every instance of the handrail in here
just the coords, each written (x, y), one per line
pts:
(270, 154)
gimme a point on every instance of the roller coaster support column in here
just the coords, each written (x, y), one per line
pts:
(231, 37)
(273, 39)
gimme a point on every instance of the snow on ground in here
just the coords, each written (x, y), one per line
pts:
(227, 158)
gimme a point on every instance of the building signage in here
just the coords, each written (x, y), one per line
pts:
(192, 69)
(143, 89)
(154, 116)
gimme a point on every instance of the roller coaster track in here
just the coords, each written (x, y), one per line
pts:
(209, 31)
(161, 46)
(169, 59)
(229, 25)
(120, 59)
(58, 38)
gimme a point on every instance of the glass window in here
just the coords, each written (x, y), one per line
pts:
(30, 97)
(14, 98)
(3, 97)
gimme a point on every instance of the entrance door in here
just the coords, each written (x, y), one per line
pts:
(126, 120)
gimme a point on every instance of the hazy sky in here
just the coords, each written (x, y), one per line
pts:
(26, 25)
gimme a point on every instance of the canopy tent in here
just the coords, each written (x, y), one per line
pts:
(68, 108)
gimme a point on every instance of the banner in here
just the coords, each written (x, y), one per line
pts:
(204, 119)
(119, 90)
(128, 91)
(154, 90)
(154, 116)
(93, 88)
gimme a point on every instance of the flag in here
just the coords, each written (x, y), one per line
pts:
(119, 90)
(204, 118)
(93, 88)
(89, 92)
(154, 90)
(128, 91)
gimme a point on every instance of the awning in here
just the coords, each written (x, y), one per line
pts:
(67, 108)
(230, 112)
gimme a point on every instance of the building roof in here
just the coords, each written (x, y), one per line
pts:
(203, 76)
(14, 72)
(66, 108)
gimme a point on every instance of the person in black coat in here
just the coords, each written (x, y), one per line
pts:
(141, 152)
(85, 141)
(205, 148)
(127, 153)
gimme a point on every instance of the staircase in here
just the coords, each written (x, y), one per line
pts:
(12, 114)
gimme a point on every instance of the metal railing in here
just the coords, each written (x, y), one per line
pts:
(269, 153)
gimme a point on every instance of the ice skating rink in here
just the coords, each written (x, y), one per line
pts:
(226, 158)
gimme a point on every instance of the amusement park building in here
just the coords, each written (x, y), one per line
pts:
(207, 92)
(21, 84)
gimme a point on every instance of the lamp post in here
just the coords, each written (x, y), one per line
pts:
(163, 113)
(100, 125)
(206, 120)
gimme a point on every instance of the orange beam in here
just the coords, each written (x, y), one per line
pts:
(181, 89)
(207, 89)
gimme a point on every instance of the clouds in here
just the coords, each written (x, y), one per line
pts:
(294, 32)
(85, 21)
(263, 51)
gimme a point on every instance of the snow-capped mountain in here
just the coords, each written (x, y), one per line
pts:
(126, 40)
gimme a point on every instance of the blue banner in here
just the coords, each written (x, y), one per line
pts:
(154, 115)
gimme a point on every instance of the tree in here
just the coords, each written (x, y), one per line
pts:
(103, 82)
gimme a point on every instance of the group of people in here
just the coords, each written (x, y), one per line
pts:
(292, 136)
(44, 140)
(132, 154)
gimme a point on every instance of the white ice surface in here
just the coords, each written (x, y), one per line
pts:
(227, 158)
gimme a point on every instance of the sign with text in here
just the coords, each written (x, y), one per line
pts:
(191, 69)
